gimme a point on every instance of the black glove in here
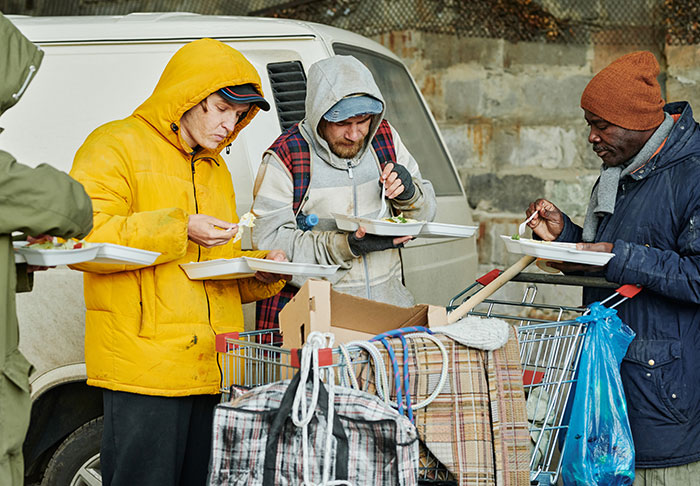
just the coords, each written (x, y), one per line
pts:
(409, 189)
(370, 243)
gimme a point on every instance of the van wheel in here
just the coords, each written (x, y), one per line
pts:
(76, 462)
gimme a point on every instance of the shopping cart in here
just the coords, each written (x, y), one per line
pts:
(550, 342)
(254, 358)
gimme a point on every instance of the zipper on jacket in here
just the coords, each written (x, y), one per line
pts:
(365, 265)
(354, 189)
(196, 204)
(199, 248)
(367, 285)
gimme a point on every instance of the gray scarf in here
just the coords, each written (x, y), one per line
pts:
(605, 192)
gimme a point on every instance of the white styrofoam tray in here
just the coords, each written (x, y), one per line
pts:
(552, 250)
(221, 269)
(291, 268)
(94, 252)
(51, 258)
(377, 226)
(445, 230)
(119, 254)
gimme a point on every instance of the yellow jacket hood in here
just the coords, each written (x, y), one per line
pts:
(188, 78)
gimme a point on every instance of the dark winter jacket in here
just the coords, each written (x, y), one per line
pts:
(655, 230)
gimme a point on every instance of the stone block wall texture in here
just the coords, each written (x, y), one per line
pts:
(510, 116)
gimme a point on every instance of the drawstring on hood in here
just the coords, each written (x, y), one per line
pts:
(329, 81)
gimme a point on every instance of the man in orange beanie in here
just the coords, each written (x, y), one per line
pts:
(645, 209)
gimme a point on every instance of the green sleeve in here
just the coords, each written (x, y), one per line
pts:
(42, 200)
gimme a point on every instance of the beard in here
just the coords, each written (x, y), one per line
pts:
(346, 151)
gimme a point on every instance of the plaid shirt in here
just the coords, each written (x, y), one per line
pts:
(293, 150)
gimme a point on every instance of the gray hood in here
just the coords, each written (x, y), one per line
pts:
(19, 62)
(329, 81)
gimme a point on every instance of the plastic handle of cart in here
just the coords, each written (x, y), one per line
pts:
(489, 277)
(221, 345)
(532, 377)
(629, 290)
(325, 357)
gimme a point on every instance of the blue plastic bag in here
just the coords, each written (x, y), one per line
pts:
(598, 448)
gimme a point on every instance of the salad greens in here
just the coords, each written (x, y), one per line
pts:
(53, 243)
(400, 219)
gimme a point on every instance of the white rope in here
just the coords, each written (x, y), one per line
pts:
(303, 412)
(443, 371)
(381, 380)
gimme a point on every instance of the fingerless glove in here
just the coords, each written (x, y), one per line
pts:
(370, 243)
(409, 189)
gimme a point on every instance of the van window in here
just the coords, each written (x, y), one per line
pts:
(408, 115)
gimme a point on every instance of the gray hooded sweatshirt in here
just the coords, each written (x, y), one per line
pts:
(337, 185)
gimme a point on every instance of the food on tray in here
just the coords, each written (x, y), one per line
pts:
(247, 220)
(53, 243)
(400, 219)
(516, 236)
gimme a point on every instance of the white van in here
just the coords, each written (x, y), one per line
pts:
(97, 69)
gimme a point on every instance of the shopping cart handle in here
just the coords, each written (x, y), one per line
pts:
(221, 345)
(325, 357)
(489, 277)
(629, 290)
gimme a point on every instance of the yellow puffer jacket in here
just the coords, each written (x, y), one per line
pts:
(151, 330)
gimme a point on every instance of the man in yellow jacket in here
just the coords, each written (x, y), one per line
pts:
(157, 182)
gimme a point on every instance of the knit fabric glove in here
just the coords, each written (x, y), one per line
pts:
(370, 243)
(409, 189)
(473, 331)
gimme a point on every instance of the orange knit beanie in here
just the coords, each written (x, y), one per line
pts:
(626, 93)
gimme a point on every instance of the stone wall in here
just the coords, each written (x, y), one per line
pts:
(511, 119)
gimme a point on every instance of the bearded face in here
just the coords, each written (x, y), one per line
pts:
(346, 138)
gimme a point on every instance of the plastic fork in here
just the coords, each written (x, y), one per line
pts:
(383, 208)
(523, 225)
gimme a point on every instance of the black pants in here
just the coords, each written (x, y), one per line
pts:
(156, 441)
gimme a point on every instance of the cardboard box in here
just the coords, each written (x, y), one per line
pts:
(317, 307)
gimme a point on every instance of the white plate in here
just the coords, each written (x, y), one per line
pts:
(18, 256)
(563, 252)
(377, 226)
(291, 268)
(221, 269)
(118, 254)
(105, 253)
(444, 230)
(51, 258)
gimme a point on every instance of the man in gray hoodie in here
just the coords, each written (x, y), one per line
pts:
(342, 158)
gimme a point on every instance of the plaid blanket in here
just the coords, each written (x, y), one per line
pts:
(382, 445)
(477, 426)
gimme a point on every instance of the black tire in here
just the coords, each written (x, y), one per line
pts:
(76, 462)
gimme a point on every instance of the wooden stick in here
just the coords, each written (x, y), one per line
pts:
(482, 294)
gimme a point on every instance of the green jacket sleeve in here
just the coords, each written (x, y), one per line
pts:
(42, 200)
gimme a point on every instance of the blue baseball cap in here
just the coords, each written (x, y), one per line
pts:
(244, 93)
(353, 106)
